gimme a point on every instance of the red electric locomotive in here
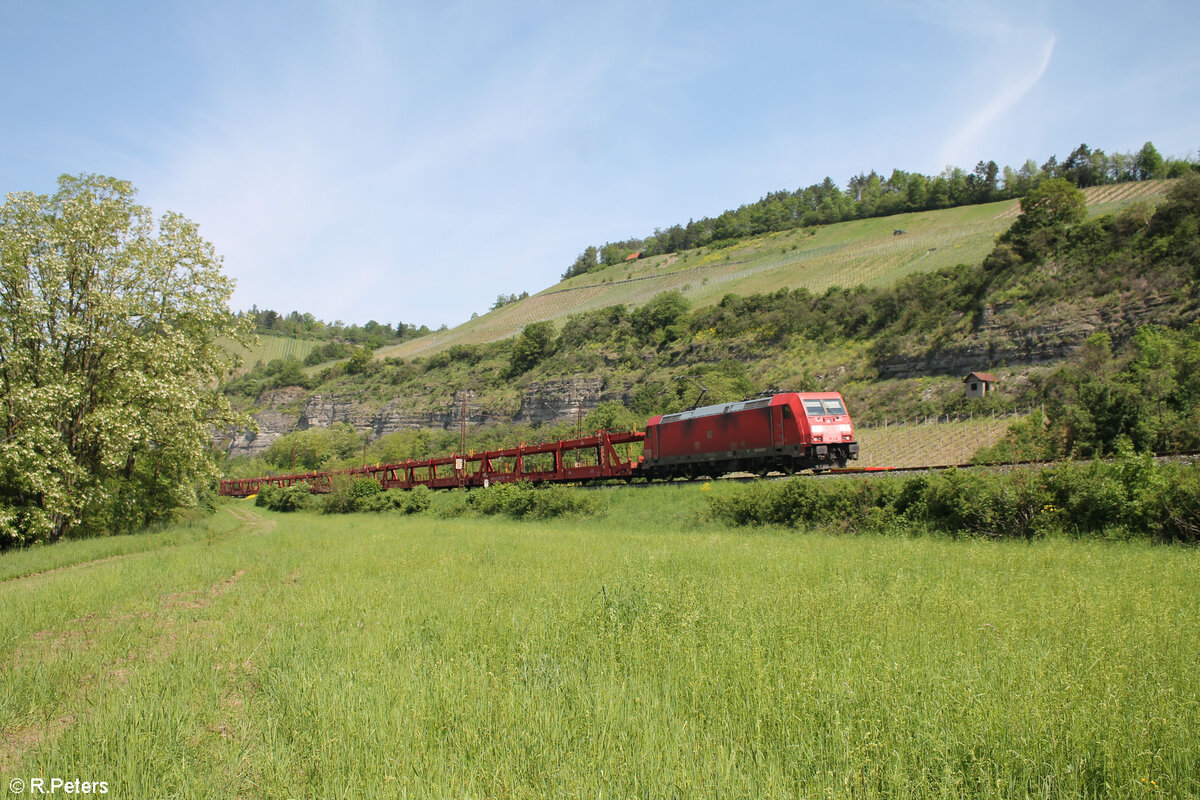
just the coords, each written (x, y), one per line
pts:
(785, 432)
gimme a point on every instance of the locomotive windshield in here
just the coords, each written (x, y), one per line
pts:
(832, 407)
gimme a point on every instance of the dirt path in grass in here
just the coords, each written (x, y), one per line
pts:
(252, 522)
(171, 620)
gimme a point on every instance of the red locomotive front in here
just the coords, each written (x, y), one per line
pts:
(785, 432)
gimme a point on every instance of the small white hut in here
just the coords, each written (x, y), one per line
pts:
(978, 384)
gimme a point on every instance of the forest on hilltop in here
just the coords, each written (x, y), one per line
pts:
(872, 195)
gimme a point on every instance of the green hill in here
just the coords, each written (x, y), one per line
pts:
(865, 252)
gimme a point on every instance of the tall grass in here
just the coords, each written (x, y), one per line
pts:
(647, 654)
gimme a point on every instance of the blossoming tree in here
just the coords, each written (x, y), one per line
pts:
(111, 328)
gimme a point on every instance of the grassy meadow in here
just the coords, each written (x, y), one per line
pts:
(646, 652)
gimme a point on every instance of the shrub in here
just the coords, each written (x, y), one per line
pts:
(296, 497)
(412, 501)
(534, 344)
(362, 362)
(351, 494)
(984, 504)
(662, 317)
(524, 500)
(264, 496)
(1025, 440)
(1131, 496)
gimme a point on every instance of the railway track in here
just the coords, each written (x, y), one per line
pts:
(625, 481)
(1183, 455)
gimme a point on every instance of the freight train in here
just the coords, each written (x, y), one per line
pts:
(782, 432)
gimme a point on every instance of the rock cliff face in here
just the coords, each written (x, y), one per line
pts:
(272, 422)
(1030, 346)
(548, 401)
(1005, 337)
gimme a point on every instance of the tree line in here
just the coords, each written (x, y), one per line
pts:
(306, 326)
(872, 195)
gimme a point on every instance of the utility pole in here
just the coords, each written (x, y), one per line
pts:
(462, 426)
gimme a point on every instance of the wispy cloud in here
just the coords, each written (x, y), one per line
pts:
(1014, 82)
(342, 175)
(991, 55)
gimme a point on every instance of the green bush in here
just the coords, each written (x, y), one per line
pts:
(411, 501)
(351, 494)
(524, 500)
(296, 497)
(1133, 496)
(534, 344)
(1025, 440)
(849, 505)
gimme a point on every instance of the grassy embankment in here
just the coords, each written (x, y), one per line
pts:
(645, 653)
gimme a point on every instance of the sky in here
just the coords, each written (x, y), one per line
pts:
(410, 161)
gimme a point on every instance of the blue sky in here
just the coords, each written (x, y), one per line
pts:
(410, 161)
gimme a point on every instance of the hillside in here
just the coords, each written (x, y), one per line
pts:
(865, 252)
(270, 347)
(891, 320)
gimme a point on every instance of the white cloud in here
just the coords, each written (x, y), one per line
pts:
(1012, 82)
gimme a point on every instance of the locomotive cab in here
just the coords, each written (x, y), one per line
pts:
(784, 432)
(829, 429)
